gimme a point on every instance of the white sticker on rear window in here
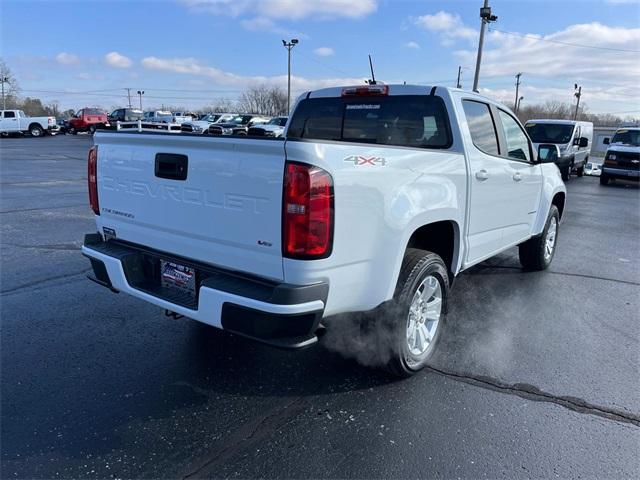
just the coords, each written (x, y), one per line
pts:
(362, 106)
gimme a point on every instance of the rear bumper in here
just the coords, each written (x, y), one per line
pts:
(279, 314)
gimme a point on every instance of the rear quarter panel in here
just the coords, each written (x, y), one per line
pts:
(377, 209)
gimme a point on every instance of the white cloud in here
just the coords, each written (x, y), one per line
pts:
(609, 78)
(193, 67)
(64, 58)
(285, 9)
(412, 45)
(448, 25)
(116, 60)
(88, 76)
(324, 51)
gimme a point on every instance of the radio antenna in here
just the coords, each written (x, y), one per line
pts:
(373, 75)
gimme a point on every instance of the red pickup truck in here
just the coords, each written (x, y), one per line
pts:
(88, 120)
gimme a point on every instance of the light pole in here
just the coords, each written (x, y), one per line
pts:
(289, 45)
(4, 80)
(458, 81)
(486, 17)
(578, 93)
(518, 104)
(140, 93)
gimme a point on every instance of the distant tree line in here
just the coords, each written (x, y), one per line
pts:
(566, 111)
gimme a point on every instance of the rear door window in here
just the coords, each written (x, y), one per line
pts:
(404, 120)
(9, 114)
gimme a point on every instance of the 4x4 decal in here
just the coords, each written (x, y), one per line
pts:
(361, 160)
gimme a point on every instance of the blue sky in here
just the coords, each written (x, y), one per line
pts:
(192, 52)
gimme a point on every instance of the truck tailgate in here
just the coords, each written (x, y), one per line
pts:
(226, 212)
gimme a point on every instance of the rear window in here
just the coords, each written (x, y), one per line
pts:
(93, 111)
(407, 120)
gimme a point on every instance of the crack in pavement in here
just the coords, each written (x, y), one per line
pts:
(531, 392)
(35, 283)
(251, 432)
(581, 275)
(42, 208)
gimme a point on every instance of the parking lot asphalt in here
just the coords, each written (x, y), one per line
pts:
(538, 374)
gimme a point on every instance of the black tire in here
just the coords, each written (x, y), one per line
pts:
(580, 171)
(36, 130)
(92, 129)
(566, 172)
(604, 180)
(532, 252)
(72, 131)
(391, 320)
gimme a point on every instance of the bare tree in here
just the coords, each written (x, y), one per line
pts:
(263, 100)
(11, 88)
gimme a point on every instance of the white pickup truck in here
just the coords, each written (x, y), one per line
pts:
(377, 197)
(15, 121)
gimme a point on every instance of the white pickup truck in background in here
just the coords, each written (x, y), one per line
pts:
(15, 121)
(375, 200)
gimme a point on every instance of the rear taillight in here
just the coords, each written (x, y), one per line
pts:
(92, 179)
(307, 212)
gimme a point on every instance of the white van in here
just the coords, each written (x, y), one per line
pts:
(574, 139)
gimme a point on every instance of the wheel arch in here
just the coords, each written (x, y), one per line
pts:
(559, 200)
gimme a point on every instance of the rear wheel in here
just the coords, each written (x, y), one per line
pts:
(36, 130)
(92, 129)
(580, 171)
(409, 326)
(566, 172)
(604, 180)
(72, 131)
(537, 252)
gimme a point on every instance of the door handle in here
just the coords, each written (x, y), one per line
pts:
(517, 177)
(482, 175)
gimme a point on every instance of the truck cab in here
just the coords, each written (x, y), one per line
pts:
(572, 137)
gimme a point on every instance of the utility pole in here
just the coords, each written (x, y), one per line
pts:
(4, 80)
(458, 81)
(515, 105)
(129, 96)
(486, 17)
(578, 94)
(289, 45)
(140, 93)
(518, 104)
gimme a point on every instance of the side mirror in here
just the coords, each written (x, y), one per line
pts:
(584, 142)
(606, 141)
(548, 153)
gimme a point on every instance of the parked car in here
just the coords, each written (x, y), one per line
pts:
(378, 197)
(622, 159)
(574, 139)
(15, 121)
(593, 169)
(238, 125)
(273, 128)
(88, 120)
(202, 124)
(125, 115)
(158, 116)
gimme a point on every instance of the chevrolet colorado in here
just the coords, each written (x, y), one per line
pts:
(376, 198)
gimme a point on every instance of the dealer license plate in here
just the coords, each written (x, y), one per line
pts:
(178, 277)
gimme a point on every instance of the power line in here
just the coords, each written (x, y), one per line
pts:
(540, 39)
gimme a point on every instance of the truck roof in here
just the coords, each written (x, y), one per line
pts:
(394, 89)
(557, 121)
